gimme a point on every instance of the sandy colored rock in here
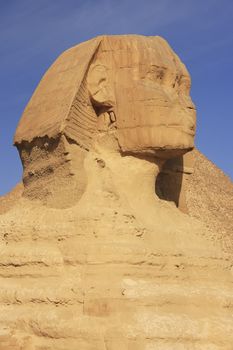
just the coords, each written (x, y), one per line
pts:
(11, 198)
(107, 246)
(129, 93)
(134, 81)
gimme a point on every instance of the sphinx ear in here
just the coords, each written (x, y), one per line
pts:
(99, 86)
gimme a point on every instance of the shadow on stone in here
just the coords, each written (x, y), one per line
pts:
(168, 183)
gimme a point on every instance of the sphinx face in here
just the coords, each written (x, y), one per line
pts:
(147, 87)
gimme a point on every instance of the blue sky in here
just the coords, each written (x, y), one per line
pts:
(34, 32)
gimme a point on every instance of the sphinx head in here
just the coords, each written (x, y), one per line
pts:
(130, 89)
(139, 86)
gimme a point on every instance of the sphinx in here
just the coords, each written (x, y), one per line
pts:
(91, 255)
(129, 93)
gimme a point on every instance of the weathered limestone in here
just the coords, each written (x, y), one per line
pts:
(130, 93)
(95, 254)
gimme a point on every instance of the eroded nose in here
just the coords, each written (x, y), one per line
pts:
(187, 102)
(184, 117)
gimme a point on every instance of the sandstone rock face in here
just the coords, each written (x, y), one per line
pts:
(96, 252)
(130, 93)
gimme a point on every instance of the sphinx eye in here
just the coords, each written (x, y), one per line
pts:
(160, 74)
(155, 74)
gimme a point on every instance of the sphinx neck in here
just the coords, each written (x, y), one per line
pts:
(135, 177)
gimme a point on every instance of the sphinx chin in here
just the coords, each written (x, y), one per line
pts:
(159, 154)
(159, 141)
